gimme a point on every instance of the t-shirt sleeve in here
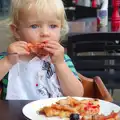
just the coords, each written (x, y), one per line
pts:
(1, 57)
(3, 84)
(71, 65)
(6, 76)
(0, 81)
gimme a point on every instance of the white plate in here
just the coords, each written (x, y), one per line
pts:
(30, 110)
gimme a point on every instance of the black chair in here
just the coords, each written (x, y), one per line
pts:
(68, 3)
(84, 12)
(97, 54)
(69, 12)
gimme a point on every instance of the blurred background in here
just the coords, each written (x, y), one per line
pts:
(4, 32)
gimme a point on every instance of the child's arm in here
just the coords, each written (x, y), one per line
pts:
(4, 67)
(20, 48)
(70, 85)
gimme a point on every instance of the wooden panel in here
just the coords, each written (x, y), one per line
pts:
(95, 88)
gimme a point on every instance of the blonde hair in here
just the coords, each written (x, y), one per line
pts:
(42, 5)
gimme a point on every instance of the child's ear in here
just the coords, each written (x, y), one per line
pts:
(14, 30)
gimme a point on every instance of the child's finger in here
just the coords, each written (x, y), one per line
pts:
(24, 47)
(21, 43)
(29, 45)
(52, 46)
(41, 45)
(50, 50)
(53, 42)
(22, 51)
(27, 48)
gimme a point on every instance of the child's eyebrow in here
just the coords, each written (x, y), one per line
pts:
(33, 21)
(55, 21)
(38, 21)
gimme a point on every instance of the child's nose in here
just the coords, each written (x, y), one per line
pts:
(44, 32)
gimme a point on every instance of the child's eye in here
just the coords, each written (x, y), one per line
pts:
(34, 26)
(53, 26)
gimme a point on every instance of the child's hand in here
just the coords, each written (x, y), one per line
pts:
(56, 52)
(20, 48)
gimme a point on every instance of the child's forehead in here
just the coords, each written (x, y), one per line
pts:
(36, 14)
(41, 17)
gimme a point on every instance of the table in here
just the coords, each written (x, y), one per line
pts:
(12, 110)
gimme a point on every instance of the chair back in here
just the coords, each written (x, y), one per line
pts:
(97, 55)
(79, 14)
(95, 88)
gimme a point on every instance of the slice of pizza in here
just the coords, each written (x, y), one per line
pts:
(68, 106)
(69, 101)
(62, 108)
(112, 116)
(89, 107)
(32, 48)
(38, 48)
(49, 112)
(57, 110)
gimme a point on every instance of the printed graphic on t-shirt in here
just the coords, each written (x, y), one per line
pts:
(47, 66)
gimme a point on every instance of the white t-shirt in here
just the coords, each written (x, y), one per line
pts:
(33, 80)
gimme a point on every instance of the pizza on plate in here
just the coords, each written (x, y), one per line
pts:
(87, 109)
(68, 106)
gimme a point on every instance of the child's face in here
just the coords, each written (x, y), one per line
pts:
(34, 28)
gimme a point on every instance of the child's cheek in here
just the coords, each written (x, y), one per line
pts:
(33, 37)
(57, 36)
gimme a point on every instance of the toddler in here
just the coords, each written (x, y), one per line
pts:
(29, 76)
